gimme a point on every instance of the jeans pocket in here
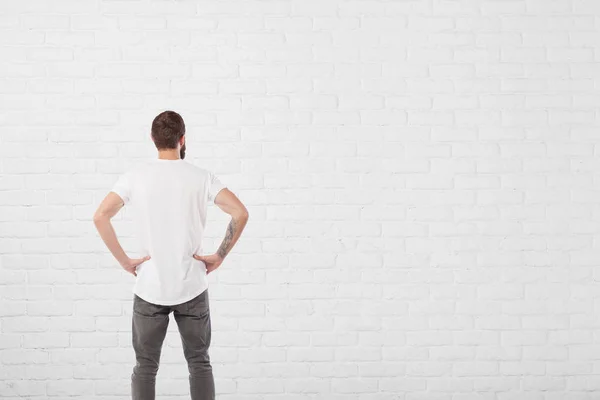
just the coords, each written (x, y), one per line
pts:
(199, 305)
(144, 308)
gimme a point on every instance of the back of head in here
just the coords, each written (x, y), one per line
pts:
(167, 129)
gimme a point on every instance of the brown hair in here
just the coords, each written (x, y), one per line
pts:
(167, 128)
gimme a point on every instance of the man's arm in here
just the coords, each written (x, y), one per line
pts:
(229, 203)
(107, 209)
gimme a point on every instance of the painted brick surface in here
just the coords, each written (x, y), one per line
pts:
(421, 175)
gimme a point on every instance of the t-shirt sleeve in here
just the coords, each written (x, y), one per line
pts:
(122, 187)
(214, 186)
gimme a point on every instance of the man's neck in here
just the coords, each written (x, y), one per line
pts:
(168, 155)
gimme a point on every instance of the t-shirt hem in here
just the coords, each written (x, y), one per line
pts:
(168, 302)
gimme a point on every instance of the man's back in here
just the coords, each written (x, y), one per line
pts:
(169, 200)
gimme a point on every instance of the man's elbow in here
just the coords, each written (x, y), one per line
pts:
(242, 214)
(100, 217)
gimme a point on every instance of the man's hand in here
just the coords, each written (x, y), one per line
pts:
(132, 263)
(212, 261)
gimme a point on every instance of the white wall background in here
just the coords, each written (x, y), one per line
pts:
(422, 179)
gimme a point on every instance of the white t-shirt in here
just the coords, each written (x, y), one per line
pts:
(169, 200)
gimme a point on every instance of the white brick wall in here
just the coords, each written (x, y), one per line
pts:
(421, 175)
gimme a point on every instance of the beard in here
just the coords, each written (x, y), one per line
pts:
(182, 152)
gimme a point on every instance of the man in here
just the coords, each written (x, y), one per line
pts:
(169, 198)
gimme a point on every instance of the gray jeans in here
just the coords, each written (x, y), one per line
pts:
(149, 327)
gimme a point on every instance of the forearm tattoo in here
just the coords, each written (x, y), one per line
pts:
(225, 245)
